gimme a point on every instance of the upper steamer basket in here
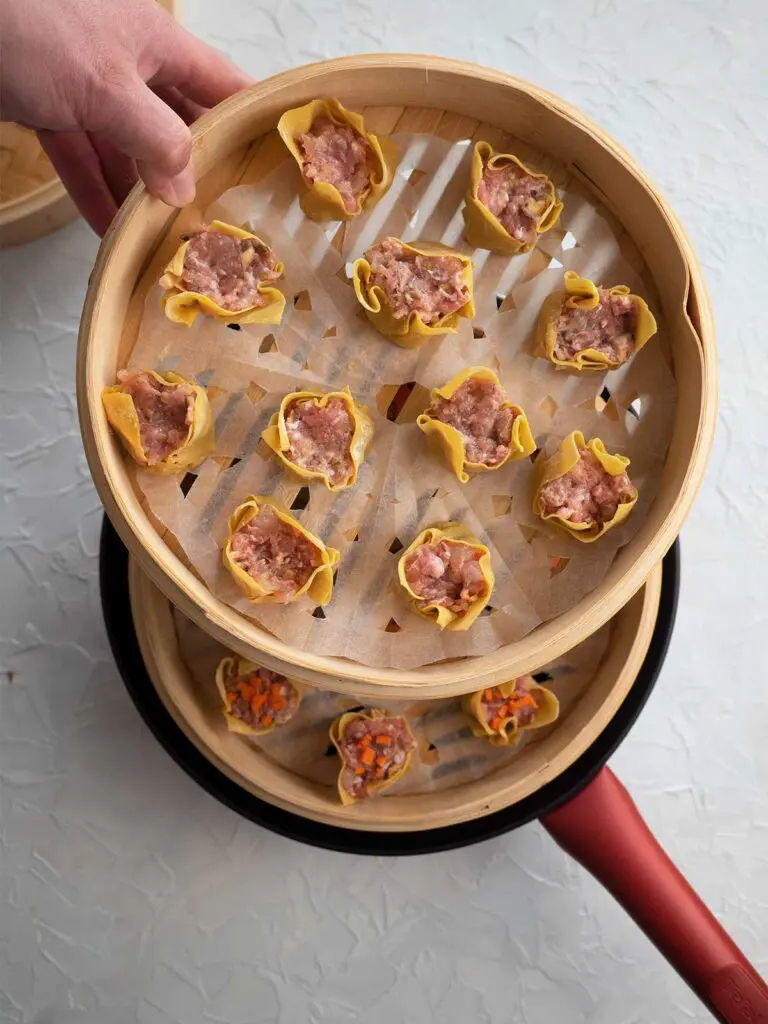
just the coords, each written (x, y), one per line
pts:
(145, 234)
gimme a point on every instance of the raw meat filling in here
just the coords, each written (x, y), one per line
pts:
(262, 699)
(428, 285)
(587, 493)
(274, 554)
(477, 410)
(338, 155)
(320, 437)
(165, 412)
(608, 328)
(498, 709)
(228, 270)
(446, 574)
(372, 751)
(515, 198)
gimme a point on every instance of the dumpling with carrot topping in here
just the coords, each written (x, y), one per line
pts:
(273, 558)
(375, 750)
(583, 489)
(321, 436)
(163, 419)
(255, 700)
(223, 272)
(411, 291)
(588, 327)
(474, 424)
(446, 573)
(508, 205)
(345, 168)
(503, 713)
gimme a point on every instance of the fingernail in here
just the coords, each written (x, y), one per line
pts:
(179, 190)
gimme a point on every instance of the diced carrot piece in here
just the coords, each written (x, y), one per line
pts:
(383, 741)
(278, 704)
(366, 740)
(496, 723)
(245, 690)
(359, 771)
(231, 696)
(488, 695)
(275, 690)
(265, 720)
(367, 756)
(381, 760)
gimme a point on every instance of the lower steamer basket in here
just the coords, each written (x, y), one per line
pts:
(144, 638)
(584, 807)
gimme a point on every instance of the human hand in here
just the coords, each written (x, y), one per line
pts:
(109, 86)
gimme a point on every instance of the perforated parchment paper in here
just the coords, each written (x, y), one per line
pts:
(326, 341)
(448, 754)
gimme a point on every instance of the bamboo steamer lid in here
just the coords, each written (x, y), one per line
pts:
(194, 705)
(423, 94)
(33, 201)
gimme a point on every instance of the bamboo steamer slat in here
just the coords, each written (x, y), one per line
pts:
(234, 144)
(538, 763)
(33, 201)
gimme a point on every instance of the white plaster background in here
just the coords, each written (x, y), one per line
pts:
(129, 895)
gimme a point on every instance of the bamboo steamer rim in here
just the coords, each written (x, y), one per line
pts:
(137, 233)
(537, 764)
(45, 206)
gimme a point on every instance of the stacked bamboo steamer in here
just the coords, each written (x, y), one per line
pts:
(33, 201)
(229, 150)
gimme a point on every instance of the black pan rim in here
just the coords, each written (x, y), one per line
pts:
(115, 601)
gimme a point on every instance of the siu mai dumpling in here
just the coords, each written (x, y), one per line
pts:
(412, 291)
(273, 558)
(163, 419)
(345, 168)
(223, 272)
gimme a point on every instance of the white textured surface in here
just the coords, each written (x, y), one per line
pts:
(127, 894)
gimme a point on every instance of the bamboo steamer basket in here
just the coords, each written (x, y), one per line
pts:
(33, 201)
(235, 144)
(547, 754)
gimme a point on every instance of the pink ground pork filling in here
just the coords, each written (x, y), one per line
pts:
(228, 270)
(430, 286)
(498, 709)
(338, 155)
(608, 328)
(372, 751)
(262, 699)
(516, 199)
(446, 574)
(274, 554)
(478, 411)
(320, 437)
(587, 493)
(165, 412)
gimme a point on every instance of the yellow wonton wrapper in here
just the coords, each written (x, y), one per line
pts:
(509, 732)
(336, 732)
(440, 615)
(318, 587)
(276, 435)
(183, 306)
(583, 293)
(229, 669)
(564, 459)
(322, 201)
(451, 442)
(482, 229)
(122, 415)
(410, 331)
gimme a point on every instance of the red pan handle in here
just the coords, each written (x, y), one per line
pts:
(602, 829)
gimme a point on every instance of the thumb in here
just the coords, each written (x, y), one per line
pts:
(141, 125)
